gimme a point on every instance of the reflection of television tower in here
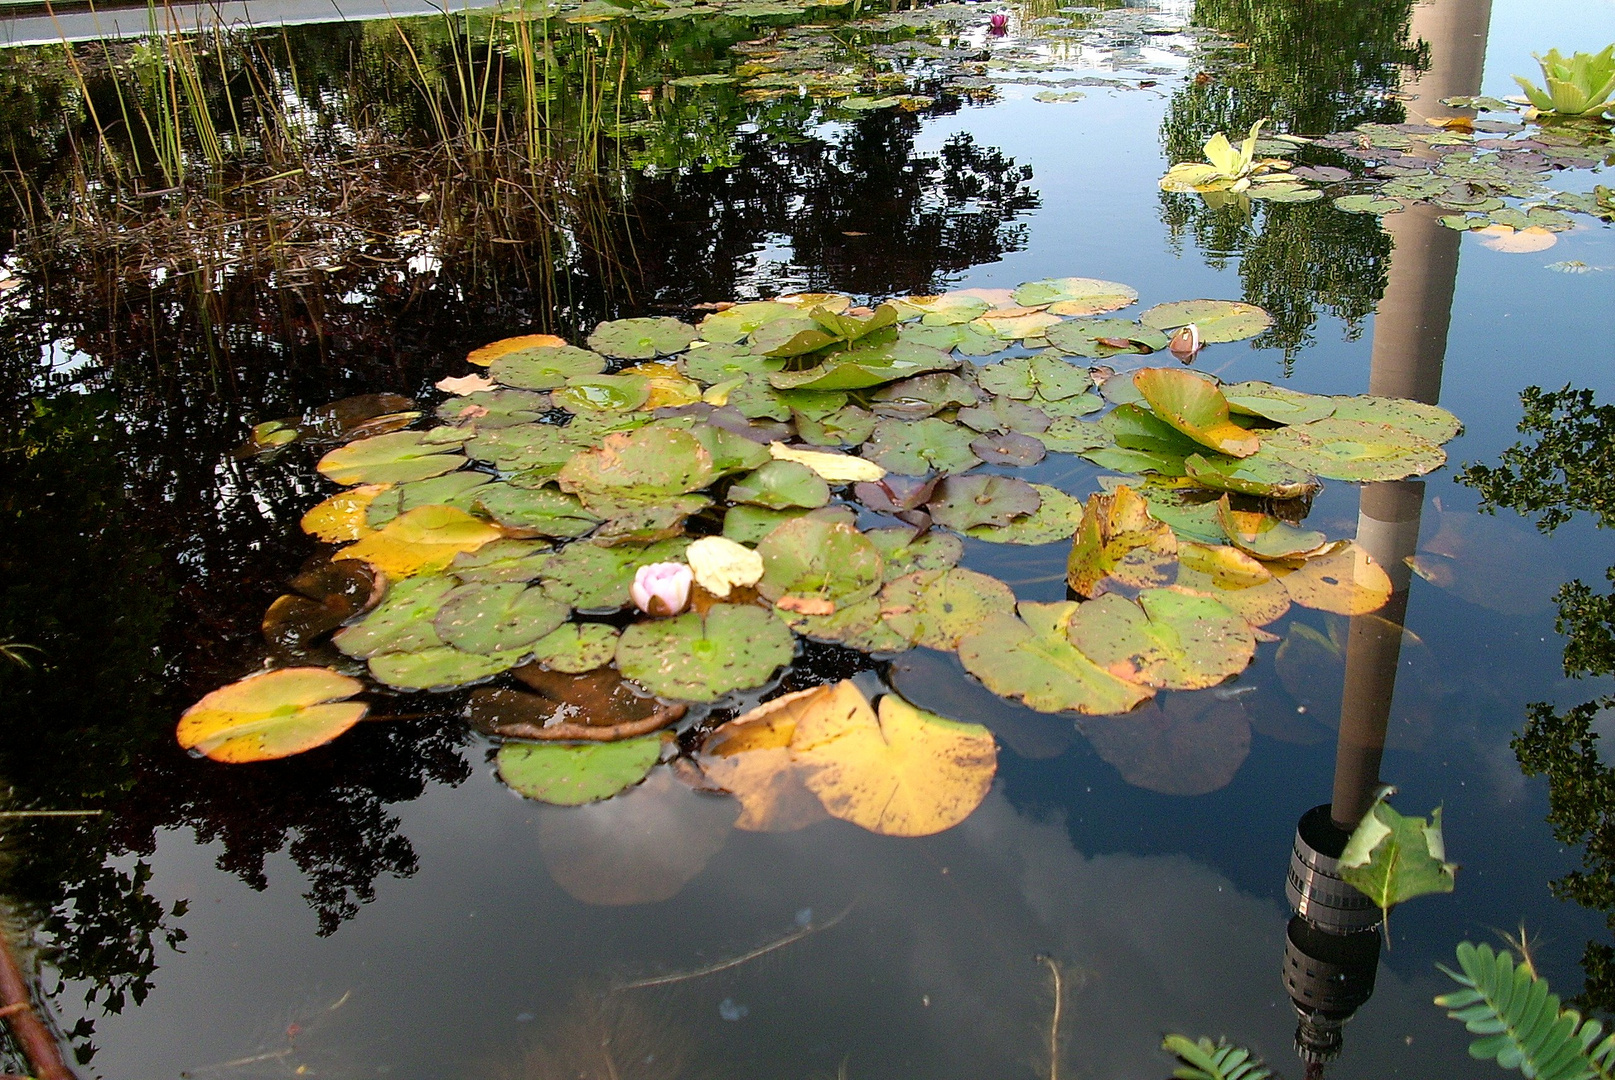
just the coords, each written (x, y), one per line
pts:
(1331, 947)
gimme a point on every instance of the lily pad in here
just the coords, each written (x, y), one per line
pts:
(902, 552)
(866, 366)
(1267, 537)
(501, 560)
(440, 668)
(1016, 324)
(696, 657)
(750, 757)
(963, 502)
(420, 541)
(720, 565)
(834, 468)
(1217, 320)
(733, 324)
(780, 485)
(577, 647)
(847, 426)
(721, 363)
(1022, 377)
(572, 774)
(749, 524)
(949, 308)
(1076, 296)
(450, 489)
(1345, 580)
(1008, 448)
(1166, 639)
(964, 338)
(1057, 518)
(1068, 435)
(1120, 544)
(1030, 658)
(641, 339)
(595, 577)
(272, 714)
(638, 467)
(546, 367)
(497, 618)
(1233, 578)
(1367, 204)
(1277, 403)
(395, 458)
(1005, 414)
(936, 608)
(343, 517)
(857, 626)
(1196, 408)
(603, 393)
(1431, 423)
(402, 622)
(1355, 450)
(1105, 337)
(818, 560)
(1265, 473)
(526, 512)
(923, 395)
(487, 354)
(901, 773)
(918, 448)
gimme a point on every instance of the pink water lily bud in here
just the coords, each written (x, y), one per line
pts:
(662, 588)
(1186, 343)
(998, 23)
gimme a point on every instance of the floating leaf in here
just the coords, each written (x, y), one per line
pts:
(1267, 537)
(1367, 204)
(779, 485)
(450, 489)
(721, 363)
(571, 774)
(343, 517)
(834, 468)
(402, 622)
(1076, 296)
(904, 553)
(423, 540)
(1233, 578)
(1391, 858)
(923, 395)
(1166, 639)
(1030, 658)
(1008, 449)
(936, 608)
(1196, 408)
(749, 524)
(1217, 320)
(847, 426)
(866, 366)
(1277, 403)
(643, 466)
(918, 448)
(536, 511)
(1354, 450)
(750, 757)
(960, 337)
(733, 324)
(1023, 377)
(1119, 543)
(1185, 744)
(1071, 436)
(577, 647)
(595, 577)
(697, 657)
(496, 618)
(464, 384)
(963, 502)
(819, 559)
(546, 367)
(1105, 337)
(272, 714)
(1345, 580)
(440, 668)
(949, 308)
(719, 564)
(1431, 423)
(1516, 241)
(901, 773)
(603, 393)
(394, 458)
(1016, 324)
(487, 354)
(857, 626)
(1265, 473)
(641, 339)
(1057, 518)
(501, 560)
(1004, 414)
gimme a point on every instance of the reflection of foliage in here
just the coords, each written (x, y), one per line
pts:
(1570, 467)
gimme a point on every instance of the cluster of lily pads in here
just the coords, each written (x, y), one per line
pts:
(650, 520)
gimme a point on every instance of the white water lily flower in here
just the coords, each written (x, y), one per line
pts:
(661, 588)
(720, 564)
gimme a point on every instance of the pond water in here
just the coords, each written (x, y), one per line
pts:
(385, 906)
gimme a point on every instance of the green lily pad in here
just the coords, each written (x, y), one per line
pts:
(1030, 658)
(866, 366)
(530, 447)
(1276, 403)
(814, 404)
(595, 577)
(1119, 544)
(1431, 423)
(1023, 377)
(402, 622)
(700, 658)
(730, 452)
(1071, 436)
(1015, 324)
(1265, 536)
(440, 667)
(394, 458)
(487, 409)
(603, 393)
(915, 449)
(1236, 580)
(923, 395)
(547, 367)
(1189, 512)
(572, 774)
(721, 363)
(902, 552)
(1135, 428)
(780, 485)
(734, 324)
(1196, 408)
(1166, 639)
(960, 337)
(501, 560)
(855, 327)
(749, 524)
(817, 559)
(645, 524)
(1367, 204)
(641, 339)
(574, 648)
(536, 511)
(1084, 404)
(1124, 459)
(1087, 337)
(949, 309)
(936, 608)
(1217, 320)
(1284, 192)
(846, 426)
(1265, 473)
(456, 489)
(639, 467)
(857, 626)
(1008, 448)
(1076, 296)
(1056, 520)
(964, 502)
(785, 332)
(1005, 414)
(1355, 450)
(497, 618)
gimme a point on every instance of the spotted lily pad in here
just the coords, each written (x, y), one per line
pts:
(963, 502)
(272, 714)
(420, 541)
(395, 458)
(643, 466)
(1105, 337)
(1068, 435)
(596, 577)
(1196, 408)
(497, 618)
(441, 667)
(697, 657)
(1266, 537)
(963, 338)
(857, 626)
(1166, 639)
(733, 324)
(721, 363)
(451, 489)
(1355, 450)
(780, 485)
(501, 560)
(572, 774)
(918, 448)
(923, 395)
(949, 308)
(546, 367)
(1233, 578)
(641, 339)
(1217, 320)
(866, 366)
(902, 552)
(1431, 423)
(936, 608)
(1120, 544)
(1344, 580)
(1264, 473)
(749, 524)
(1005, 414)
(1056, 519)
(814, 560)
(1023, 377)
(402, 622)
(1367, 204)
(603, 393)
(1277, 403)
(1031, 658)
(536, 511)
(1008, 448)
(1076, 296)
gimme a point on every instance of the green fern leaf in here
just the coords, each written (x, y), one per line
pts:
(1204, 1060)
(1520, 1020)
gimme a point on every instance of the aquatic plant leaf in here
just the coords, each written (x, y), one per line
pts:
(1233, 578)
(1265, 536)
(1391, 858)
(1265, 473)
(644, 523)
(642, 338)
(394, 458)
(1431, 423)
(1345, 580)
(450, 489)
(949, 308)
(936, 608)
(1083, 404)
(857, 626)
(866, 366)
(733, 324)
(923, 395)
(1023, 377)
(781, 337)
(1057, 518)
(574, 648)
(343, 517)
(465, 384)
(1196, 408)
(902, 772)
(1184, 744)
(918, 448)
(750, 757)
(849, 327)
(1354, 450)
(960, 337)
(720, 363)
(669, 389)
(1030, 658)
(963, 502)
(643, 466)
(1277, 403)
(902, 552)
(749, 524)
(779, 485)
(1005, 414)
(496, 618)
(1015, 324)
(1165, 639)
(1514, 241)
(423, 540)
(1367, 204)
(272, 714)
(487, 354)
(816, 559)
(591, 576)
(696, 657)
(834, 468)
(525, 512)
(546, 367)
(571, 774)
(1105, 337)
(1118, 543)
(603, 393)
(440, 667)
(1076, 296)
(501, 560)
(719, 565)
(1217, 320)
(1204, 1060)
(402, 622)
(1008, 448)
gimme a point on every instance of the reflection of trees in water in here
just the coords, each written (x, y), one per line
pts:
(1563, 471)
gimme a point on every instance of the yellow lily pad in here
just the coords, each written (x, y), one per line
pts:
(1119, 543)
(1345, 580)
(420, 541)
(272, 714)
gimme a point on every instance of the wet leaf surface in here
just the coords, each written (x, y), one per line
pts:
(1165, 639)
(1117, 544)
(936, 608)
(272, 714)
(1217, 320)
(1031, 658)
(702, 657)
(963, 502)
(571, 774)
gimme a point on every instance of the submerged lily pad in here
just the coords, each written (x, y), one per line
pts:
(641, 339)
(272, 714)
(1196, 408)
(496, 618)
(936, 608)
(1217, 320)
(1166, 639)
(1120, 544)
(440, 667)
(750, 757)
(1076, 296)
(1030, 658)
(963, 502)
(571, 774)
(1355, 450)
(546, 367)
(924, 446)
(1187, 744)
(780, 485)
(395, 458)
(577, 647)
(814, 560)
(697, 657)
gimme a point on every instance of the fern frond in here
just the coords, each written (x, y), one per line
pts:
(1520, 1022)
(1204, 1060)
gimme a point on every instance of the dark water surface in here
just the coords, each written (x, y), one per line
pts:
(384, 907)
